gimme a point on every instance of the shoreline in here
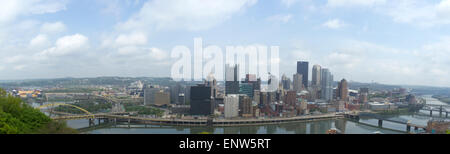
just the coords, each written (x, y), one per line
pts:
(113, 119)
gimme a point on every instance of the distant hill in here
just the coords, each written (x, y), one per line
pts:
(116, 81)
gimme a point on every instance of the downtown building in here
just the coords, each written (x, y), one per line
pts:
(246, 89)
(231, 105)
(316, 82)
(231, 79)
(342, 90)
(326, 85)
(156, 96)
(201, 100)
(298, 82)
(303, 69)
(250, 85)
(286, 82)
(245, 106)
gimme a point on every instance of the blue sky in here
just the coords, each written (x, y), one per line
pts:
(386, 41)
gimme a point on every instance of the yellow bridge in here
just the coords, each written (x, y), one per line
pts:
(89, 114)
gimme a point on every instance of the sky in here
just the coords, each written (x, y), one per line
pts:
(385, 41)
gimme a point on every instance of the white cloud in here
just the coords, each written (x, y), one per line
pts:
(421, 13)
(66, 45)
(134, 52)
(365, 61)
(131, 39)
(353, 3)
(47, 6)
(280, 18)
(416, 12)
(11, 9)
(116, 7)
(39, 41)
(52, 28)
(184, 14)
(158, 54)
(334, 24)
(129, 50)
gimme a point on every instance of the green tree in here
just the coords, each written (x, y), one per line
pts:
(16, 117)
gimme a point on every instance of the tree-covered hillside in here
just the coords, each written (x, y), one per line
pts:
(17, 117)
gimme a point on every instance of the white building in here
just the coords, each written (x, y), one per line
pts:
(231, 106)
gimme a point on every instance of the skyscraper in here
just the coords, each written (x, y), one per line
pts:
(231, 106)
(202, 102)
(316, 75)
(246, 89)
(245, 106)
(327, 84)
(212, 82)
(316, 82)
(286, 82)
(343, 90)
(231, 79)
(302, 68)
(253, 81)
(298, 78)
(149, 95)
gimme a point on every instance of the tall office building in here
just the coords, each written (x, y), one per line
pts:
(162, 98)
(231, 103)
(326, 84)
(212, 82)
(298, 80)
(231, 79)
(343, 90)
(175, 91)
(316, 81)
(246, 89)
(149, 95)
(156, 96)
(302, 68)
(286, 82)
(363, 95)
(202, 102)
(264, 99)
(363, 98)
(250, 79)
(257, 96)
(291, 98)
(316, 71)
(245, 106)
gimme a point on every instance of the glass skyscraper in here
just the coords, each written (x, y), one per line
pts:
(302, 68)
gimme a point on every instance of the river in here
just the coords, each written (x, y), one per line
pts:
(364, 126)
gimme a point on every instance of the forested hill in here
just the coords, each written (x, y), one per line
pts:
(17, 117)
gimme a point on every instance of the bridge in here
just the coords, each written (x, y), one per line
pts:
(439, 108)
(357, 115)
(69, 116)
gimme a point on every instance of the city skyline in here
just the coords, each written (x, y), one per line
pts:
(55, 39)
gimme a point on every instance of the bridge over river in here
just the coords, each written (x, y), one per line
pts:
(356, 116)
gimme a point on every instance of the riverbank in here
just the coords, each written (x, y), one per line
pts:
(202, 122)
(395, 112)
(445, 99)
